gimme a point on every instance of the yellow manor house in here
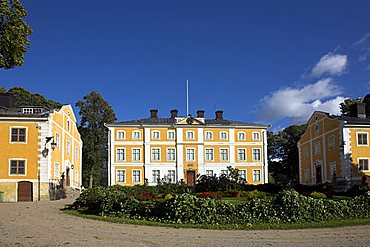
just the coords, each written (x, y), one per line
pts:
(179, 148)
(37, 147)
(335, 146)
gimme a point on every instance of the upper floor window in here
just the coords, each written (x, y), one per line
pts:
(136, 154)
(190, 154)
(17, 167)
(136, 134)
(120, 154)
(68, 147)
(317, 129)
(156, 154)
(209, 154)
(331, 141)
(362, 139)
(317, 147)
(155, 135)
(256, 136)
(363, 164)
(57, 140)
(241, 136)
(224, 154)
(76, 153)
(68, 125)
(18, 135)
(223, 135)
(241, 154)
(170, 135)
(120, 134)
(171, 154)
(256, 154)
(190, 135)
(209, 135)
(27, 110)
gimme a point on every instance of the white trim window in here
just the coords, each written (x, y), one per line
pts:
(209, 154)
(156, 154)
(224, 154)
(241, 136)
(121, 176)
(256, 136)
(171, 176)
(223, 135)
(136, 176)
(317, 147)
(317, 129)
(209, 135)
(136, 135)
(190, 154)
(256, 175)
(156, 176)
(305, 152)
(18, 134)
(362, 139)
(156, 135)
(76, 153)
(331, 142)
(363, 165)
(243, 174)
(256, 154)
(241, 154)
(57, 139)
(171, 135)
(171, 154)
(209, 173)
(56, 170)
(121, 135)
(68, 147)
(225, 172)
(190, 135)
(136, 154)
(17, 167)
(120, 154)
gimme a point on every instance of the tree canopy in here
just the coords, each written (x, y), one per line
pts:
(94, 112)
(347, 105)
(14, 33)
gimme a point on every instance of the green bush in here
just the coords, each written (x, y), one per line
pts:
(253, 194)
(318, 195)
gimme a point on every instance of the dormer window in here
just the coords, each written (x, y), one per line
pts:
(190, 135)
(31, 110)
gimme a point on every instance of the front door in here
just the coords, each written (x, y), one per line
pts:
(318, 174)
(190, 178)
(67, 177)
(25, 191)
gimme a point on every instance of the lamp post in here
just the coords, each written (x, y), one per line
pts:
(44, 153)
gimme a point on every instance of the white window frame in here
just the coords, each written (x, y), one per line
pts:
(10, 166)
(68, 147)
(188, 154)
(317, 147)
(134, 154)
(190, 135)
(159, 154)
(156, 135)
(209, 173)
(331, 142)
(134, 133)
(171, 132)
(76, 153)
(122, 132)
(222, 154)
(210, 137)
(56, 171)
(367, 139)
(256, 136)
(124, 175)
(368, 164)
(156, 175)
(134, 177)
(226, 135)
(211, 153)
(68, 125)
(124, 154)
(243, 174)
(171, 155)
(25, 135)
(254, 180)
(245, 154)
(57, 139)
(241, 136)
(259, 154)
(226, 172)
(171, 175)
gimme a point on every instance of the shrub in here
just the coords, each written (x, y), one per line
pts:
(211, 194)
(253, 194)
(146, 196)
(318, 195)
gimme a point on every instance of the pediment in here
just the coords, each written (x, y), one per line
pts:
(189, 120)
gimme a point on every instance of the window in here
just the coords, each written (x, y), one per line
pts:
(171, 176)
(362, 139)
(170, 135)
(332, 169)
(209, 154)
(225, 172)
(136, 155)
(256, 175)
(256, 154)
(189, 135)
(241, 136)
(306, 174)
(76, 153)
(120, 154)
(317, 128)
(136, 176)
(57, 139)
(27, 110)
(171, 154)
(18, 135)
(68, 125)
(76, 178)
(243, 174)
(255, 136)
(331, 141)
(68, 147)
(155, 135)
(209, 173)
(136, 135)
(17, 167)
(121, 176)
(56, 170)
(317, 147)
(305, 152)
(209, 135)
(190, 154)
(156, 176)
(223, 135)
(224, 154)
(120, 134)
(156, 154)
(363, 164)
(241, 154)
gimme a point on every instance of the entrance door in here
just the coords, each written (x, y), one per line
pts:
(318, 174)
(190, 178)
(67, 177)
(25, 191)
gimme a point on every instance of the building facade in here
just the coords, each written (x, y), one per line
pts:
(335, 148)
(180, 148)
(39, 146)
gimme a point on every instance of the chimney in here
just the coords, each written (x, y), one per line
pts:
(360, 110)
(153, 113)
(219, 115)
(7, 100)
(174, 113)
(200, 113)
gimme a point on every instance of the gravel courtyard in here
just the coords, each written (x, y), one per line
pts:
(43, 224)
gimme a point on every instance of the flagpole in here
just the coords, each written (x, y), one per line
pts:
(187, 97)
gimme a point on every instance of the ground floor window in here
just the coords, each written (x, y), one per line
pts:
(171, 176)
(18, 167)
(121, 176)
(256, 175)
(136, 176)
(243, 174)
(363, 164)
(156, 176)
(209, 173)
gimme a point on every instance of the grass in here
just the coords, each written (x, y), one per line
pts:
(255, 226)
(235, 200)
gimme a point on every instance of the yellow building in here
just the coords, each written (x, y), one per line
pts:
(38, 146)
(179, 148)
(335, 145)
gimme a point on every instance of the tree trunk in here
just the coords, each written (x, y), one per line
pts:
(91, 181)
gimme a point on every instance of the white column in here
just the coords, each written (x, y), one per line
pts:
(232, 147)
(180, 154)
(201, 168)
(265, 158)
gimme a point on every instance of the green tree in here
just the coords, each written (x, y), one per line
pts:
(94, 112)
(283, 154)
(367, 103)
(2, 90)
(346, 107)
(24, 97)
(14, 33)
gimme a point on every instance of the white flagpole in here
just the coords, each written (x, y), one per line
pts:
(187, 97)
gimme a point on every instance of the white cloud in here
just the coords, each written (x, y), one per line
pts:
(330, 63)
(363, 46)
(299, 103)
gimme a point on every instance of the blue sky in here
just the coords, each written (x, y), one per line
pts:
(260, 61)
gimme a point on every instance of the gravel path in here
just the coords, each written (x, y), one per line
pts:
(43, 224)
